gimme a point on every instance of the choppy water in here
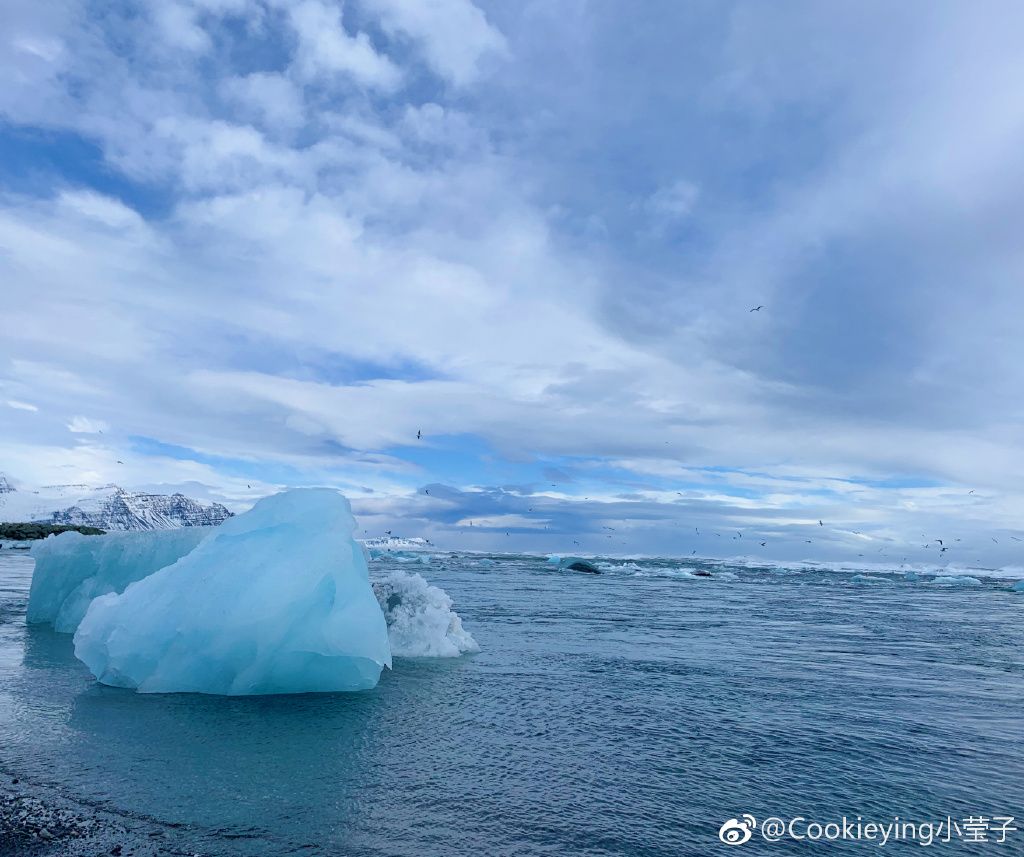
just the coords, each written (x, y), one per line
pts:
(620, 714)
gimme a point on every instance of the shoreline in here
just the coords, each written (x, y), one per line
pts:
(37, 819)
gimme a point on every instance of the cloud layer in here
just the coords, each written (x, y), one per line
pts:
(246, 244)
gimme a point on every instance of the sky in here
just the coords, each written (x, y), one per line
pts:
(489, 268)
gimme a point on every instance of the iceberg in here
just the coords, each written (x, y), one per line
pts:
(1018, 586)
(72, 569)
(275, 600)
(420, 619)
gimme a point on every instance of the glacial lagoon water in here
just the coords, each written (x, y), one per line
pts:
(627, 713)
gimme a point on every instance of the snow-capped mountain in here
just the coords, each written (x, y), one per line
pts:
(108, 507)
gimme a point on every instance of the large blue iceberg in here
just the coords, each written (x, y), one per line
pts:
(276, 600)
(72, 569)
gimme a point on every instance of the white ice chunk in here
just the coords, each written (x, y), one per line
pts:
(421, 622)
(961, 580)
(72, 569)
(276, 600)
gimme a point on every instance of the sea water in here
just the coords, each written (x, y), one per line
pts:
(627, 713)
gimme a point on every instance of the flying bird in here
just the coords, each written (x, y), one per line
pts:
(971, 491)
(388, 532)
(763, 544)
(419, 434)
(120, 462)
(758, 308)
(939, 541)
(820, 524)
(426, 490)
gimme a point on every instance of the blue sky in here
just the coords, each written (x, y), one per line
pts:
(247, 244)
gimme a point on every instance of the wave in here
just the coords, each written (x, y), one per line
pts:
(421, 622)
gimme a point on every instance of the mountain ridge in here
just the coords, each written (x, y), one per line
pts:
(108, 507)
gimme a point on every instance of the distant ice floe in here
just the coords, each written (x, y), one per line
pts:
(420, 619)
(1018, 586)
(959, 580)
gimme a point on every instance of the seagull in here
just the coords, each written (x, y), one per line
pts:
(120, 462)
(426, 490)
(419, 434)
(971, 491)
(758, 308)
(808, 541)
(739, 534)
(575, 542)
(387, 532)
(820, 524)
(939, 541)
(763, 544)
(943, 550)
(690, 554)
(248, 486)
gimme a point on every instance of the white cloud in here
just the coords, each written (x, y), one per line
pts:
(454, 35)
(339, 263)
(84, 425)
(21, 406)
(672, 201)
(325, 48)
(274, 98)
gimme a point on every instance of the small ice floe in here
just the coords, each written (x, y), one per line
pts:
(576, 563)
(960, 580)
(1018, 586)
(420, 619)
(868, 578)
(911, 575)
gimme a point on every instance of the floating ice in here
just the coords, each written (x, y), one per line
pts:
(276, 600)
(420, 619)
(575, 563)
(1018, 586)
(962, 580)
(910, 575)
(72, 569)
